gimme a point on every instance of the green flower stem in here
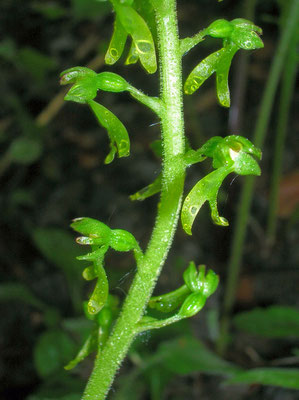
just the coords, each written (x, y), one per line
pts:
(153, 103)
(173, 174)
(157, 323)
(188, 43)
(247, 191)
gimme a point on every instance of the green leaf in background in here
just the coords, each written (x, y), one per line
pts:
(62, 386)
(25, 150)
(295, 351)
(46, 396)
(59, 247)
(19, 292)
(50, 10)
(78, 327)
(52, 351)
(8, 49)
(186, 355)
(35, 63)
(22, 197)
(272, 322)
(90, 9)
(129, 388)
(158, 378)
(283, 377)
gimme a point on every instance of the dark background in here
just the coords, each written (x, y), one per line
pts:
(60, 175)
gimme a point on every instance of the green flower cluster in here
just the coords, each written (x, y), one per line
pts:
(186, 301)
(85, 84)
(230, 154)
(100, 237)
(236, 34)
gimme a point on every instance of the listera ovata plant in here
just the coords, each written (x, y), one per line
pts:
(151, 25)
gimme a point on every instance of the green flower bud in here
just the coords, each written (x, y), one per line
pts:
(122, 240)
(221, 28)
(111, 82)
(91, 226)
(192, 305)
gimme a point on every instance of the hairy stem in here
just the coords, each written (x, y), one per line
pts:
(173, 173)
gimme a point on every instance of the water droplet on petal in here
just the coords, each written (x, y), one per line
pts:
(114, 53)
(143, 46)
(193, 210)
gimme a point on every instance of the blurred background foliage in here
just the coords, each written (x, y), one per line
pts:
(51, 170)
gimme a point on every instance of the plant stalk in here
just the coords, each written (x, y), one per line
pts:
(173, 173)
